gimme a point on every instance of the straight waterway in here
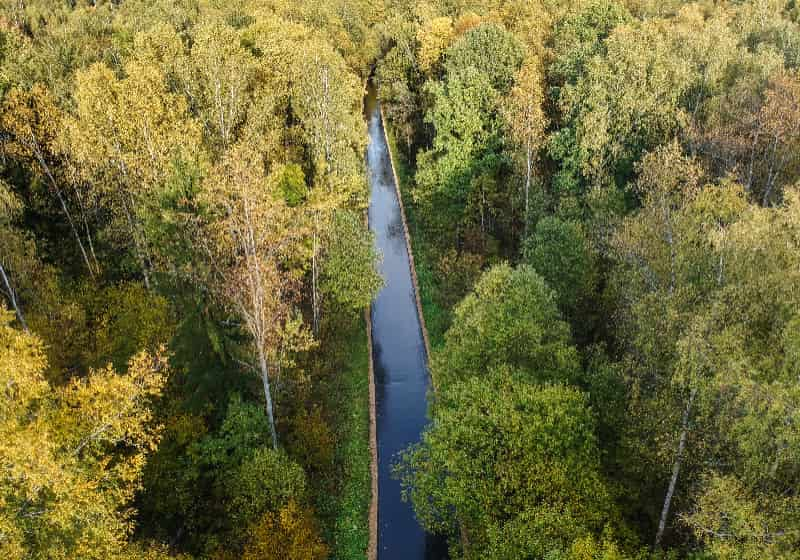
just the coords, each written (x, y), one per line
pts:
(400, 360)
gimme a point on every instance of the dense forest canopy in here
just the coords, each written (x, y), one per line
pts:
(612, 188)
(185, 255)
(604, 201)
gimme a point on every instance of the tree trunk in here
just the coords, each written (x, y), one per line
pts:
(89, 242)
(13, 299)
(676, 467)
(54, 185)
(262, 360)
(528, 172)
(136, 245)
(315, 303)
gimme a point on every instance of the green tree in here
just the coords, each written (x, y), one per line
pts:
(514, 465)
(490, 50)
(510, 318)
(627, 102)
(560, 253)
(461, 115)
(349, 276)
(733, 522)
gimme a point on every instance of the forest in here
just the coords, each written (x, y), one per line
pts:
(603, 199)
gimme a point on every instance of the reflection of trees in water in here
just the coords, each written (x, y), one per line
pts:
(396, 228)
(379, 373)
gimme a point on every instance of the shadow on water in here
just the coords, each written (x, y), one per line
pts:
(401, 371)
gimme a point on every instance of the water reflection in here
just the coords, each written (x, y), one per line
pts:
(401, 374)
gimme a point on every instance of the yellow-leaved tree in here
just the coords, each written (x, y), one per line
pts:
(289, 534)
(251, 236)
(125, 138)
(71, 456)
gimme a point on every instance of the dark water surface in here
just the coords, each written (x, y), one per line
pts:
(401, 372)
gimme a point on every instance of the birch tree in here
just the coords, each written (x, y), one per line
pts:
(663, 277)
(526, 121)
(72, 456)
(124, 138)
(32, 122)
(16, 251)
(327, 100)
(218, 80)
(251, 235)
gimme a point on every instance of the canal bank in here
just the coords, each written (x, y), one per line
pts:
(400, 355)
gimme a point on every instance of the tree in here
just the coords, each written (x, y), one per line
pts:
(751, 130)
(125, 138)
(559, 252)
(434, 37)
(219, 78)
(733, 522)
(668, 273)
(461, 115)
(32, 122)
(16, 251)
(697, 320)
(460, 180)
(72, 455)
(580, 35)
(526, 120)
(515, 465)
(490, 50)
(252, 235)
(510, 318)
(327, 101)
(248, 478)
(291, 533)
(349, 276)
(627, 102)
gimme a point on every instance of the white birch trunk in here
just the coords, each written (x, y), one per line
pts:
(13, 298)
(676, 467)
(262, 360)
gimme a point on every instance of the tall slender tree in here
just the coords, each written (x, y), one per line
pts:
(251, 235)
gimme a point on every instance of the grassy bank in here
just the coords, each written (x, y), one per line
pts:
(437, 318)
(345, 511)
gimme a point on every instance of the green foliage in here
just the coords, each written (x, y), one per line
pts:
(265, 480)
(559, 252)
(627, 102)
(456, 272)
(126, 319)
(510, 318)
(580, 35)
(514, 464)
(349, 270)
(457, 180)
(293, 185)
(312, 440)
(462, 117)
(735, 522)
(488, 49)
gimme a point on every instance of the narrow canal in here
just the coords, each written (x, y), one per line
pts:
(400, 360)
